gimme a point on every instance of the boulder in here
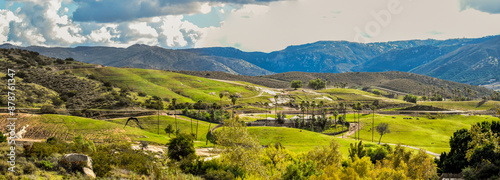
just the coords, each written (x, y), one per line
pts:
(75, 157)
(89, 173)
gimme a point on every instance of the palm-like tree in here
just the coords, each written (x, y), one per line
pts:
(174, 101)
(303, 109)
(221, 95)
(266, 105)
(233, 100)
(320, 106)
(374, 108)
(276, 106)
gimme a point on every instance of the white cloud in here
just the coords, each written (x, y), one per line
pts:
(6, 17)
(44, 23)
(274, 27)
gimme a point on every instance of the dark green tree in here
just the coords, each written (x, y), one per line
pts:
(169, 129)
(316, 84)
(180, 147)
(296, 84)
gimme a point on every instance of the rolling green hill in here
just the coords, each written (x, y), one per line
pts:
(430, 134)
(167, 84)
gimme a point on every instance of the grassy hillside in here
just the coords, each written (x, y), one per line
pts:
(300, 141)
(68, 127)
(430, 134)
(461, 105)
(150, 124)
(167, 84)
(393, 80)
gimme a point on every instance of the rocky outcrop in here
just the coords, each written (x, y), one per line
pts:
(77, 161)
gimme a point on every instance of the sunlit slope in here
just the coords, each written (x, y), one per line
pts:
(166, 84)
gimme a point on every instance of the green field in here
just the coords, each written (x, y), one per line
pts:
(297, 140)
(67, 127)
(430, 134)
(168, 84)
(150, 125)
(461, 105)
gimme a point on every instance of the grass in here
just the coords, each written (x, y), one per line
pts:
(168, 84)
(430, 134)
(150, 125)
(67, 127)
(298, 141)
(461, 105)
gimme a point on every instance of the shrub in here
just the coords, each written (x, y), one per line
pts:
(45, 165)
(180, 147)
(48, 109)
(2, 137)
(29, 168)
(296, 84)
(57, 102)
(410, 98)
(142, 93)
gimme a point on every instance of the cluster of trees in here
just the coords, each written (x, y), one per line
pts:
(211, 115)
(243, 157)
(474, 152)
(315, 84)
(410, 98)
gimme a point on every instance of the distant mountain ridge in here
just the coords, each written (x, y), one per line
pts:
(436, 58)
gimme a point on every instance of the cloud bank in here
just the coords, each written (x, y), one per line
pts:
(489, 6)
(119, 10)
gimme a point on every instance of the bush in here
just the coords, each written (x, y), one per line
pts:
(142, 94)
(2, 137)
(48, 109)
(180, 147)
(296, 84)
(410, 98)
(29, 168)
(45, 165)
(57, 102)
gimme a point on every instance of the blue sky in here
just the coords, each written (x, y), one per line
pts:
(250, 25)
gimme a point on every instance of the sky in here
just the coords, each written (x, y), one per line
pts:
(249, 25)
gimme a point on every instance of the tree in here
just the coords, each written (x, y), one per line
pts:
(335, 114)
(296, 84)
(316, 84)
(266, 105)
(357, 151)
(169, 129)
(221, 95)
(276, 106)
(180, 147)
(233, 100)
(410, 98)
(174, 100)
(374, 108)
(239, 148)
(382, 128)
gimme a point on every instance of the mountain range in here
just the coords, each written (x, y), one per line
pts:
(472, 61)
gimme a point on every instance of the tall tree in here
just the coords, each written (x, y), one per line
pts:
(276, 107)
(266, 104)
(233, 100)
(382, 128)
(374, 108)
(296, 84)
(173, 102)
(221, 95)
(169, 129)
